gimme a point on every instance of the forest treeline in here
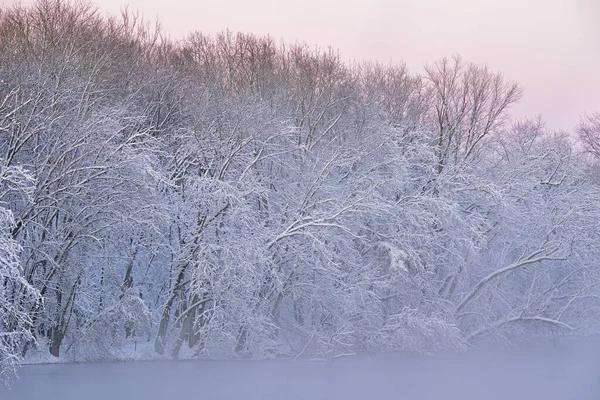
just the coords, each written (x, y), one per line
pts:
(232, 196)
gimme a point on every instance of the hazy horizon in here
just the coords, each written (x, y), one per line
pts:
(549, 47)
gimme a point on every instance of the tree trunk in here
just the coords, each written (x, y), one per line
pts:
(57, 338)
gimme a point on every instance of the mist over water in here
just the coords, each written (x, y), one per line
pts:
(232, 196)
(569, 371)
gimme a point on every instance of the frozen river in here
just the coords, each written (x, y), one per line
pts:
(566, 374)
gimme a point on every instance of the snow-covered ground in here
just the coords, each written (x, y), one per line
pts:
(572, 372)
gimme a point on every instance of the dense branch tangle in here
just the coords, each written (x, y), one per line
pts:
(232, 196)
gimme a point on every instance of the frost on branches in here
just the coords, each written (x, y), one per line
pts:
(229, 197)
(15, 322)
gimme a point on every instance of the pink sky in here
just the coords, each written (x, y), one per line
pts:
(550, 47)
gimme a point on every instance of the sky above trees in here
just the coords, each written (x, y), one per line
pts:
(550, 47)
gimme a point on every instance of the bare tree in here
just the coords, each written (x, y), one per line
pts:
(469, 103)
(588, 131)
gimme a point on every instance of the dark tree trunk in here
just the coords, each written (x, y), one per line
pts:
(57, 338)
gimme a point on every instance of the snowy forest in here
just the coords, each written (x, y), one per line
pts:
(233, 196)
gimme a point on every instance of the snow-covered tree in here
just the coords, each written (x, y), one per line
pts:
(226, 196)
(15, 320)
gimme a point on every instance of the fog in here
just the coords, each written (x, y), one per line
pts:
(229, 197)
(568, 372)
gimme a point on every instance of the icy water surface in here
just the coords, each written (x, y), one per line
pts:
(562, 374)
